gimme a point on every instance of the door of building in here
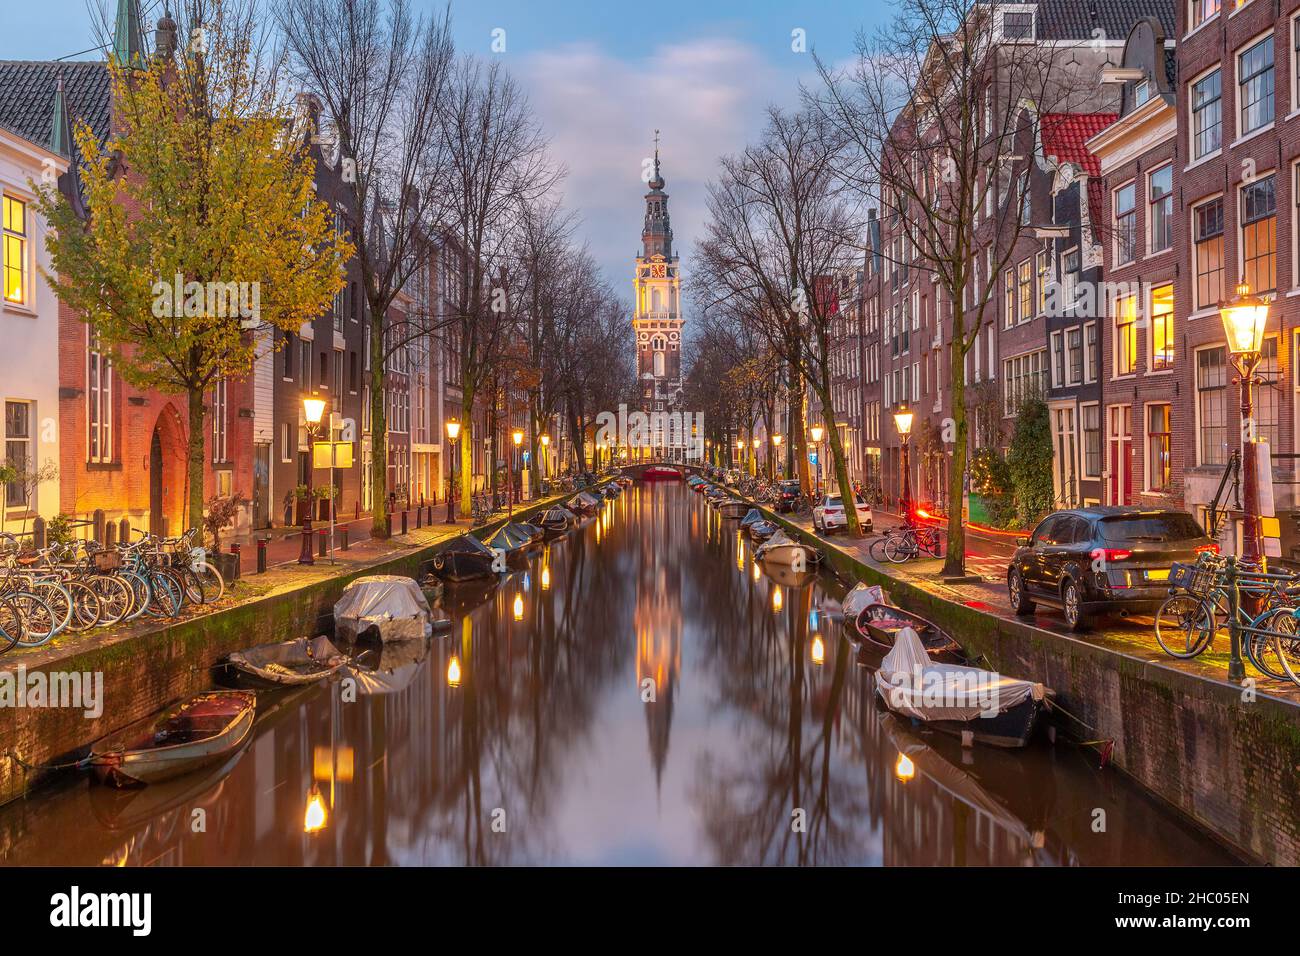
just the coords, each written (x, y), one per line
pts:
(155, 484)
(262, 486)
(1119, 489)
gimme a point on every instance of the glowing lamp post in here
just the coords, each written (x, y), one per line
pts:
(518, 438)
(903, 422)
(776, 455)
(546, 452)
(1244, 318)
(816, 432)
(313, 410)
(753, 459)
(740, 452)
(453, 433)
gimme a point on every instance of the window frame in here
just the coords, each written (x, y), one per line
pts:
(1129, 227)
(1196, 208)
(1266, 38)
(1242, 224)
(1151, 203)
(1170, 335)
(25, 245)
(1193, 133)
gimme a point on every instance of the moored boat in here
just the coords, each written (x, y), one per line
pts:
(732, 507)
(782, 549)
(463, 559)
(584, 503)
(762, 530)
(879, 625)
(978, 705)
(184, 737)
(858, 598)
(288, 663)
(557, 521)
(389, 605)
(661, 473)
(514, 539)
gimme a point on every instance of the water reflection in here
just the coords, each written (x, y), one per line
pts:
(640, 693)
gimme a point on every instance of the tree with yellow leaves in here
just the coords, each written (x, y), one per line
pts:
(201, 229)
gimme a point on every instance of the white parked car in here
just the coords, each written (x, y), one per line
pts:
(828, 514)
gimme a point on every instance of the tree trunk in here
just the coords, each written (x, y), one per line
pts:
(467, 439)
(798, 437)
(194, 469)
(379, 522)
(954, 561)
(841, 465)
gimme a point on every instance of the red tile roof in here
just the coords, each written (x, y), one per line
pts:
(1064, 136)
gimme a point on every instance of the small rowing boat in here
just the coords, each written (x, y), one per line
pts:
(176, 741)
(879, 625)
(287, 664)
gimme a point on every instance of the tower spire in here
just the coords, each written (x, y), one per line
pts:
(128, 38)
(61, 130)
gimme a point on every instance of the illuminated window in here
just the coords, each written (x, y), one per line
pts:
(15, 250)
(1202, 10)
(1259, 235)
(1125, 334)
(1212, 405)
(1158, 442)
(1026, 289)
(1162, 327)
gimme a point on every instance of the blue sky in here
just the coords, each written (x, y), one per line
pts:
(603, 75)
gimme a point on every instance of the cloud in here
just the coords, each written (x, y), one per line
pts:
(706, 96)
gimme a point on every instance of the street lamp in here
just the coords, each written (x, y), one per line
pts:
(313, 409)
(776, 455)
(518, 438)
(753, 459)
(453, 432)
(1244, 318)
(903, 422)
(546, 454)
(817, 432)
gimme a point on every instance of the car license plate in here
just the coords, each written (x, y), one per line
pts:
(1160, 575)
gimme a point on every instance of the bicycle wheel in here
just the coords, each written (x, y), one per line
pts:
(214, 585)
(1261, 650)
(191, 587)
(876, 550)
(58, 599)
(1287, 649)
(141, 592)
(86, 609)
(900, 548)
(1184, 626)
(164, 596)
(38, 619)
(116, 598)
(11, 625)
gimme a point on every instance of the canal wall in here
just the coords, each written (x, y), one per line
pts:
(146, 667)
(1230, 765)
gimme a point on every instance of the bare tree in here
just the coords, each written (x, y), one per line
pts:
(497, 168)
(942, 111)
(781, 230)
(382, 72)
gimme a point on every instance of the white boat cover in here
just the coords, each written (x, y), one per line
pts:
(862, 595)
(915, 685)
(393, 604)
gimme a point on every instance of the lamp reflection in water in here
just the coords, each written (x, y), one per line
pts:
(758, 573)
(546, 578)
(740, 555)
(453, 671)
(904, 769)
(778, 599)
(519, 607)
(818, 650)
(313, 820)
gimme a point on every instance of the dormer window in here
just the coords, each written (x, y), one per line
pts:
(1141, 92)
(1018, 25)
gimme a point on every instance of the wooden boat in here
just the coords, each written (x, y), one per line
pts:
(732, 507)
(977, 705)
(624, 481)
(463, 559)
(762, 530)
(611, 490)
(197, 732)
(557, 521)
(752, 516)
(287, 664)
(878, 625)
(858, 598)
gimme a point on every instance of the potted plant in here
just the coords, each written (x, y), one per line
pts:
(221, 512)
(300, 495)
(322, 495)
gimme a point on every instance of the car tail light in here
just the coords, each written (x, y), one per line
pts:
(1207, 549)
(1111, 554)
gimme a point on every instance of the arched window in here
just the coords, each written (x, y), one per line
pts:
(656, 301)
(659, 363)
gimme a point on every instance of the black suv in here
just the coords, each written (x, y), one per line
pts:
(1095, 560)
(786, 496)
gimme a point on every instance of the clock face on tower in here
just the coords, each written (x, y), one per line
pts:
(658, 271)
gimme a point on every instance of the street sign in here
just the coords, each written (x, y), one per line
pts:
(331, 454)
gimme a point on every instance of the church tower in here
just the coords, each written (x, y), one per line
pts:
(657, 320)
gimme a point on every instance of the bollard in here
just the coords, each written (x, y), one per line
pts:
(403, 522)
(124, 530)
(97, 522)
(419, 517)
(38, 533)
(261, 554)
(323, 542)
(344, 531)
(356, 516)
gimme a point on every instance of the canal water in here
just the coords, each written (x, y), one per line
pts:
(639, 694)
